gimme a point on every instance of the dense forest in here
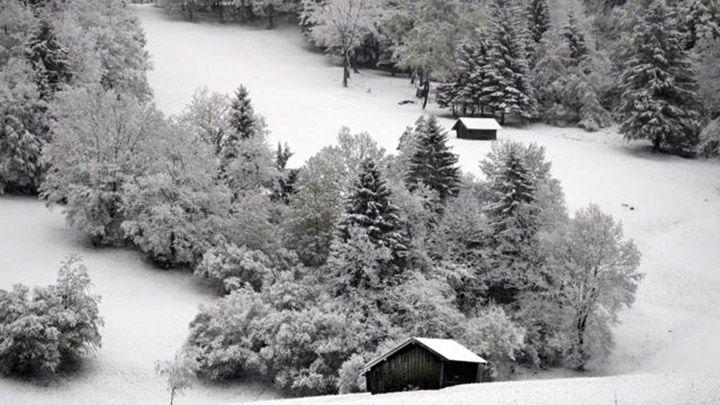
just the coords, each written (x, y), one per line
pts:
(318, 268)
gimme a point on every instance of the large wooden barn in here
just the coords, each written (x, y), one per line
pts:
(477, 128)
(422, 363)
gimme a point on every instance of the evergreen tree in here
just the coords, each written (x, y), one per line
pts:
(659, 102)
(513, 219)
(463, 90)
(369, 208)
(433, 164)
(506, 87)
(49, 60)
(539, 19)
(575, 40)
(242, 115)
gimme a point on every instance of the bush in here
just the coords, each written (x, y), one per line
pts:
(50, 328)
(230, 267)
(492, 334)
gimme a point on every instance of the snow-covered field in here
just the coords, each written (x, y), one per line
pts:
(650, 389)
(668, 341)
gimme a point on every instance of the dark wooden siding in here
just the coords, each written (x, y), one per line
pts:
(413, 367)
(480, 134)
(461, 373)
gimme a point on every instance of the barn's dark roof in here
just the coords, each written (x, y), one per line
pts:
(448, 349)
(478, 123)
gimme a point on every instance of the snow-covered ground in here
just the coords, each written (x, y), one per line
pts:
(642, 389)
(668, 340)
(146, 314)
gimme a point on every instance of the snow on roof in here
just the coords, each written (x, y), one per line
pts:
(448, 349)
(479, 123)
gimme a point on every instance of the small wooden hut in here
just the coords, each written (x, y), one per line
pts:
(422, 363)
(477, 128)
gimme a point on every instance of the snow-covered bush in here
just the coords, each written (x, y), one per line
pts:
(230, 267)
(493, 335)
(710, 139)
(349, 378)
(42, 331)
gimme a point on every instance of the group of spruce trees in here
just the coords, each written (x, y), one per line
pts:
(522, 65)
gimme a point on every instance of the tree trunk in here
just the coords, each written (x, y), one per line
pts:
(270, 11)
(426, 91)
(656, 144)
(346, 69)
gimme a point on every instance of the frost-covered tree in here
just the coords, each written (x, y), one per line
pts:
(340, 27)
(659, 100)
(172, 212)
(208, 116)
(428, 48)
(49, 60)
(568, 89)
(506, 86)
(323, 183)
(23, 128)
(432, 163)
(42, 331)
(575, 39)
(463, 92)
(516, 175)
(101, 138)
(598, 274)
(539, 19)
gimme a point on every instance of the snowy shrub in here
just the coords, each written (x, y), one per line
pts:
(179, 374)
(50, 328)
(349, 378)
(422, 306)
(228, 335)
(710, 139)
(494, 336)
(230, 267)
(101, 138)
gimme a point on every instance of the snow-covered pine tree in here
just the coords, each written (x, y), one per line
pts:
(464, 87)
(539, 19)
(575, 39)
(659, 102)
(242, 116)
(49, 60)
(513, 219)
(433, 164)
(697, 19)
(369, 207)
(506, 87)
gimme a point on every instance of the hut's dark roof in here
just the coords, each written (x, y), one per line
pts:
(478, 123)
(447, 349)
